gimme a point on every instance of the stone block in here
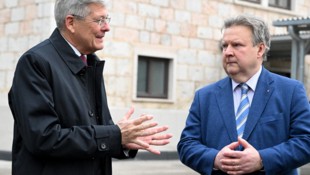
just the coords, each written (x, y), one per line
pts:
(11, 28)
(163, 3)
(118, 49)
(5, 15)
(132, 21)
(180, 42)
(149, 10)
(145, 37)
(196, 43)
(182, 72)
(10, 3)
(173, 28)
(183, 16)
(194, 6)
(204, 32)
(127, 34)
(186, 56)
(18, 14)
(165, 40)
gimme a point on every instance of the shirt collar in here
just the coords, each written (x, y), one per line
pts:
(77, 52)
(252, 82)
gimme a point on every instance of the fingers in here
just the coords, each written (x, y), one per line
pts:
(244, 143)
(236, 169)
(141, 143)
(234, 161)
(129, 113)
(160, 139)
(159, 142)
(140, 133)
(233, 145)
(230, 162)
(161, 129)
(162, 136)
(133, 146)
(231, 166)
(151, 130)
(149, 149)
(147, 128)
(142, 119)
(152, 150)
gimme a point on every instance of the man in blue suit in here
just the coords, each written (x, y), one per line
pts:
(274, 135)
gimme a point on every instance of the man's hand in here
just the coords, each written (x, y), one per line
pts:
(156, 140)
(221, 155)
(238, 162)
(140, 133)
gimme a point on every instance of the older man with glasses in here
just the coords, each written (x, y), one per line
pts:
(62, 123)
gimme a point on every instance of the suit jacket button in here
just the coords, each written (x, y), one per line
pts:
(103, 146)
(91, 113)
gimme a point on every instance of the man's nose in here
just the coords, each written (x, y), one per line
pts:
(105, 27)
(228, 50)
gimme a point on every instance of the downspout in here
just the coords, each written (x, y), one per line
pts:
(298, 60)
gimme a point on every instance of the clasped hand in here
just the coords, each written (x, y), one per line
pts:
(238, 162)
(142, 132)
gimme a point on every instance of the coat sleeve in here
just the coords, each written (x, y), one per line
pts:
(295, 151)
(192, 151)
(39, 128)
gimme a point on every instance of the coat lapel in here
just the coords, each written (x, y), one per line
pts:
(263, 91)
(66, 52)
(224, 98)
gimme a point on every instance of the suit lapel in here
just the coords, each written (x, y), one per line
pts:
(224, 97)
(263, 91)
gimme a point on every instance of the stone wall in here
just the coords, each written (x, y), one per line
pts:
(23, 23)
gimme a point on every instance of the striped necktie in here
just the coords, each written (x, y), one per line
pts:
(243, 109)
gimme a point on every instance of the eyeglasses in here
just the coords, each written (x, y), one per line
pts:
(102, 21)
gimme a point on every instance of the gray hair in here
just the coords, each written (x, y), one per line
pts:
(76, 7)
(259, 29)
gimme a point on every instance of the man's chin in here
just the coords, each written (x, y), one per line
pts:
(232, 71)
(99, 47)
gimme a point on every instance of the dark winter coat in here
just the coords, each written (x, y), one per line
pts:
(62, 124)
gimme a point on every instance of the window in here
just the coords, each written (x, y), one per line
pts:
(283, 4)
(279, 56)
(152, 77)
(255, 1)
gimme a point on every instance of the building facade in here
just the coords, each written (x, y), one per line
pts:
(157, 53)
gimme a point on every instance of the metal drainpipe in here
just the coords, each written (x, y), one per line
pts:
(298, 59)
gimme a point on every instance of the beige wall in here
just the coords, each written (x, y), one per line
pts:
(23, 23)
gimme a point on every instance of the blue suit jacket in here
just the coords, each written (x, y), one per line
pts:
(278, 125)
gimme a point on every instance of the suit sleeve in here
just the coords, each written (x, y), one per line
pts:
(295, 151)
(190, 148)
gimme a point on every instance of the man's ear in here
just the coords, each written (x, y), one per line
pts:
(69, 23)
(261, 50)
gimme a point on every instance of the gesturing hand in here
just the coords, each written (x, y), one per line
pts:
(141, 132)
(156, 140)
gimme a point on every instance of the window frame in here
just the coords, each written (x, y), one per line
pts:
(158, 54)
(288, 7)
(255, 2)
(150, 61)
(264, 4)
